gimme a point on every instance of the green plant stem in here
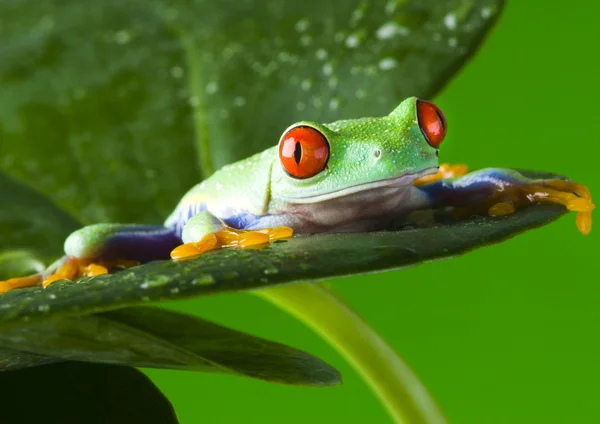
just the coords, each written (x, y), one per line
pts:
(404, 396)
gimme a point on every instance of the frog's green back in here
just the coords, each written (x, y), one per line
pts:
(240, 187)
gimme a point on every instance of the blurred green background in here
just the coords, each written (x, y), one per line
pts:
(504, 334)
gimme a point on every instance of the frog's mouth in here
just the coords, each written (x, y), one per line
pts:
(405, 180)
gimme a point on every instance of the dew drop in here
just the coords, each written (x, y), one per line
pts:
(391, 29)
(176, 71)
(321, 54)
(352, 41)
(450, 21)
(194, 101)
(212, 87)
(306, 40)
(327, 69)
(122, 37)
(239, 101)
(387, 63)
(302, 25)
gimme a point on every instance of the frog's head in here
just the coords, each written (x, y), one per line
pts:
(323, 161)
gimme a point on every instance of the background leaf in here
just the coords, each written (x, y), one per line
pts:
(11, 360)
(299, 259)
(28, 220)
(14, 263)
(157, 338)
(76, 392)
(102, 100)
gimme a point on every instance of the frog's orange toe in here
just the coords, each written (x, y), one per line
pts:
(252, 238)
(575, 197)
(230, 237)
(74, 268)
(93, 270)
(246, 238)
(189, 250)
(69, 270)
(445, 170)
(51, 279)
(501, 209)
(278, 233)
(584, 222)
(16, 283)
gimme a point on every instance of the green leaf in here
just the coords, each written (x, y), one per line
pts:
(11, 360)
(73, 392)
(28, 219)
(157, 338)
(303, 258)
(32, 229)
(117, 98)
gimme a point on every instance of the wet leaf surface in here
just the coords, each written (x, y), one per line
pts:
(11, 360)
(32, 227)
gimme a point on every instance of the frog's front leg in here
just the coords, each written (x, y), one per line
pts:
(204, 232)
(95, 249)
(498, 192)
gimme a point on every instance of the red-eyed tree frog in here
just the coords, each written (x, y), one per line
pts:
(347, 176)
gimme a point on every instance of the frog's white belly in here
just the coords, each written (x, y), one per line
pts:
(366, 210)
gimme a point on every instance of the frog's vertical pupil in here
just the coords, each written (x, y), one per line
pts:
(303, 152)
(441, 117)
(297, 152)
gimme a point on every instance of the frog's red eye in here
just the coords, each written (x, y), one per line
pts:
(432, 123)
(303, 152)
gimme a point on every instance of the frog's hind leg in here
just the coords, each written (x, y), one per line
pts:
(122, 242)
(498, 192)
(96, 249)
(204, 232)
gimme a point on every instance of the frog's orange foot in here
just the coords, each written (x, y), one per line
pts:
(231, 237)
(15, 283)
(444, 171)
(575, 197)
(74, 268)
(71, 269)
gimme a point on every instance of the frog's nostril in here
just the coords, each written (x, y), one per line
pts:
(377, 153)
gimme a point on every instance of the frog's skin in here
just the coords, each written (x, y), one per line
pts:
(367, 172)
